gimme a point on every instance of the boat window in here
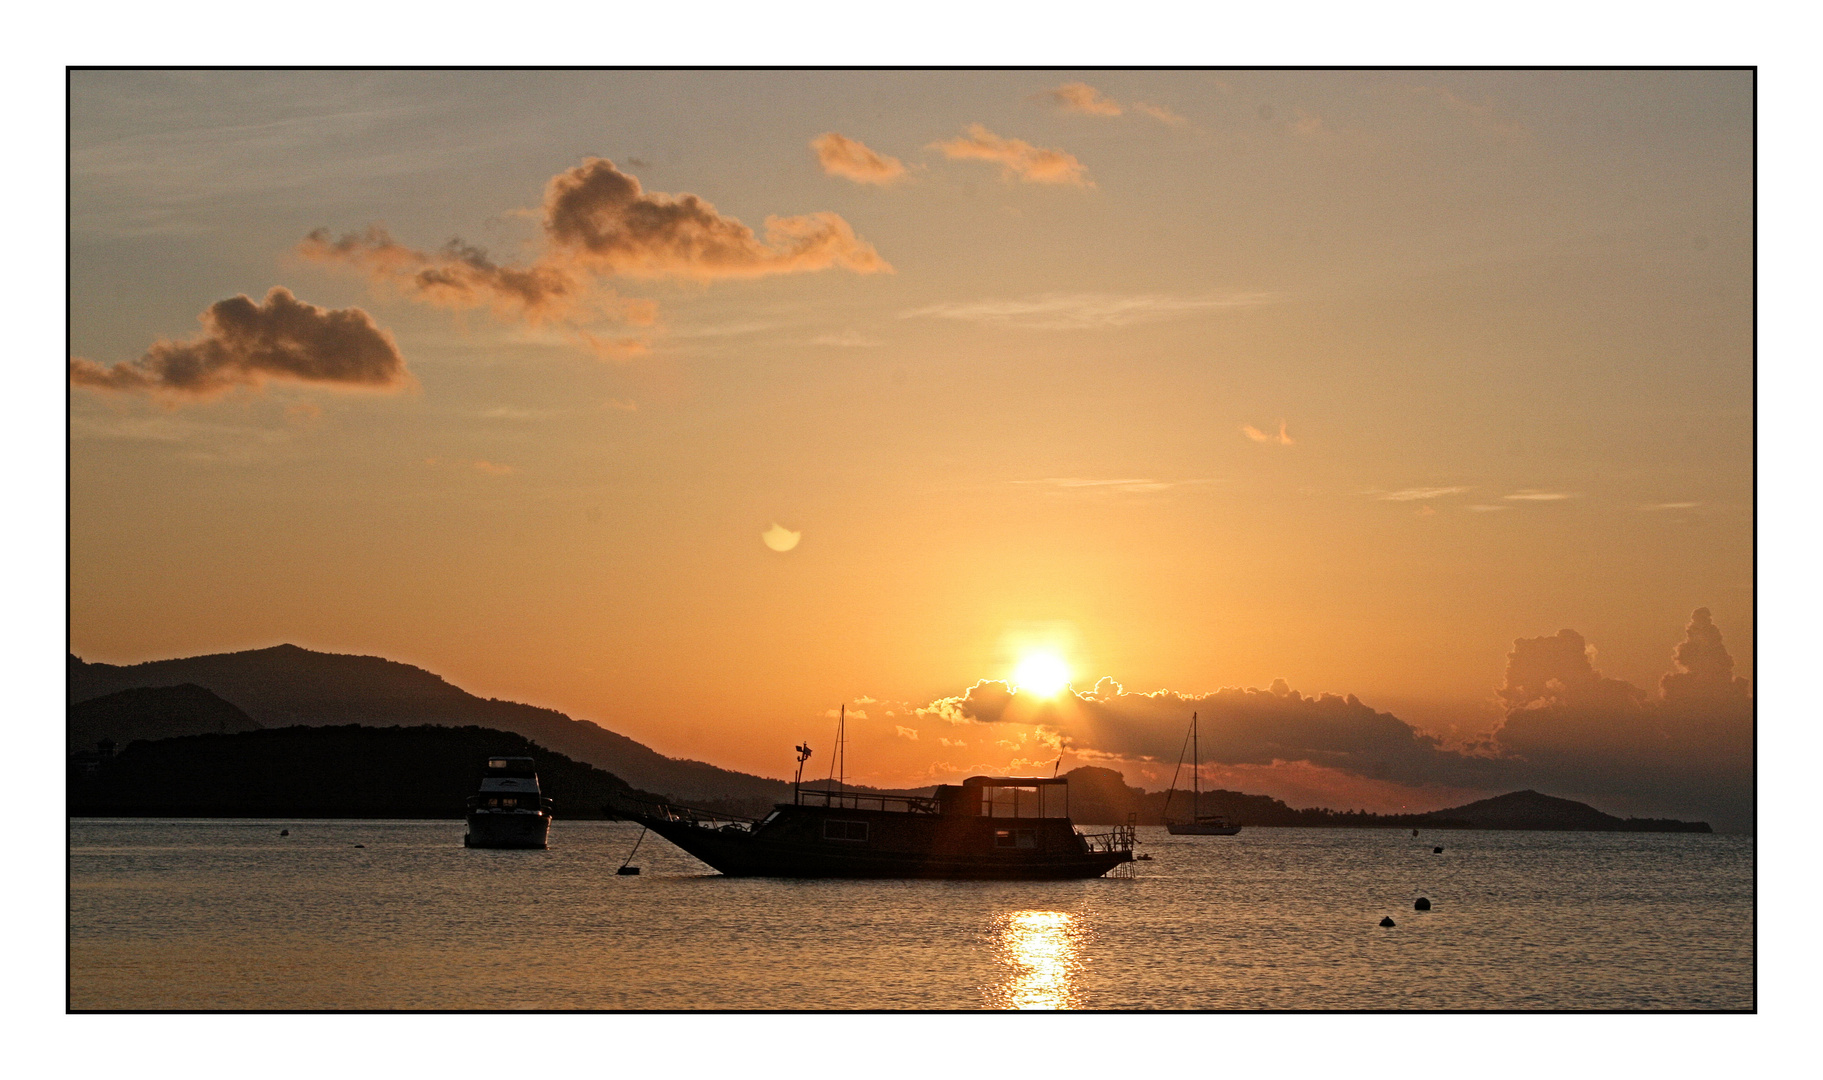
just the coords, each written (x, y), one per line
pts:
(845, 830)
(1015, 838)
(1010, 800)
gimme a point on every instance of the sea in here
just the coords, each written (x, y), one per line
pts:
(218, 914)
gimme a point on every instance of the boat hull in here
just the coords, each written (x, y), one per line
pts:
(1186, 828)
(738, 853)
(507, 830)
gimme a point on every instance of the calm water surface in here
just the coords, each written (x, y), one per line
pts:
(168, 914)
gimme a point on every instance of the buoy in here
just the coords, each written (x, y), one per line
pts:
(1436, 851)
(627, 871)
(360, 845)
(1421, 905)
(1414, 832)
(284, 832)
(1388, 921)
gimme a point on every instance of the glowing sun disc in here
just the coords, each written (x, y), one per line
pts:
(1043, 674)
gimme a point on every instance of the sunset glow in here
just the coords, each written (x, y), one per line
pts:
(1398, 423)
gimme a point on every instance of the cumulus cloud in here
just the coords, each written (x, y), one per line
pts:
(1238, 727)
(1086, 311)
(246, 343)
(1568, 729)
(1687, 749)
(906, 733)
(1283, 438)
(1078, 97)
(599, 222)
(849, 158)
(1018, 159)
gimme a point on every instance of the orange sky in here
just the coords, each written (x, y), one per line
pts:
(1199, 380)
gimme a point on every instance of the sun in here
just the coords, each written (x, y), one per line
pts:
(1041, 673)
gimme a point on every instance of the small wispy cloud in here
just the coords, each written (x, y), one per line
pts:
(1535, 495)
(621, 405)
(1283, 438)
(1159, 113)
(906, 733)
(493, 469)
(1133, 485)
(1078, 97)
(848, 158)
(1672, 506)
(1482, 116)
(1018, 159)
(1484, 508)
(1416, 493)
(1087, 311)
(846, 339)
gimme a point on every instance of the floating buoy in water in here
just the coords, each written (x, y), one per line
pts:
(284, 832)
(1388, 921)
(360, 845)
(627, 871)
(1436, 851)
(1422, 904)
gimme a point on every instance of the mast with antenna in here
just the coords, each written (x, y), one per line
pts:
(1196, 772)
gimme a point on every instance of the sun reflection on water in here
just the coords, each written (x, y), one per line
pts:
(1039, 950)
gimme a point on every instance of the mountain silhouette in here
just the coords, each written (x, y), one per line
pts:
(286, 685)
(152, 712)
(345, 771)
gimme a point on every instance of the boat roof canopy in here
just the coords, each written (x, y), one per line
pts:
(1013, 781)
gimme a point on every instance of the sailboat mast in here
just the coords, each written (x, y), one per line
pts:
(1196, 772)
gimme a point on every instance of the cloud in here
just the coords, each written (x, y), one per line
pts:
(1018, 159)
(1411, 494)
(1237, 727)
(906, 733)
(602, 218)
(1283, 438)
(1672, 506)
(1082, 98)
(849, 158)
(1135, 485)
(1483, 508)
(599, 222)
(846, 339)
(1482, 116)
(1534, 495)
(1687, 750)
(1085, 311)
(1159, 113)
(244, 343)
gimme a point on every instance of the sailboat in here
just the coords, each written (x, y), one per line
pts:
(1199, 824)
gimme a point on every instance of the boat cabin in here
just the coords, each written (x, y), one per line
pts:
(508, 783)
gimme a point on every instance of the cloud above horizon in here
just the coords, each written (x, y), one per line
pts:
(1018, 159)
(1283, 438)
(842, 156)
(597, 221)
(1079, 97)
(1085, 311)
(1686, 749)
(245, 343)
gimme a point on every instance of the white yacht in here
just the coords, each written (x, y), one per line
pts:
(509, 811)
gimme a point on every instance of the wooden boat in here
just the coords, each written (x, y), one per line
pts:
(509, 811)
(1198, 824)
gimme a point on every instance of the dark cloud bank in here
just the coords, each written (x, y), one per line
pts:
(1683, 750)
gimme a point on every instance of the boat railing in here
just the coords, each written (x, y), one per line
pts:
(1119, 838)
(863, 800)
(628, 806)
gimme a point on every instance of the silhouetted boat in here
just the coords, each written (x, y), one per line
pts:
(985, 827)
(509, 811)
(1199, 824)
